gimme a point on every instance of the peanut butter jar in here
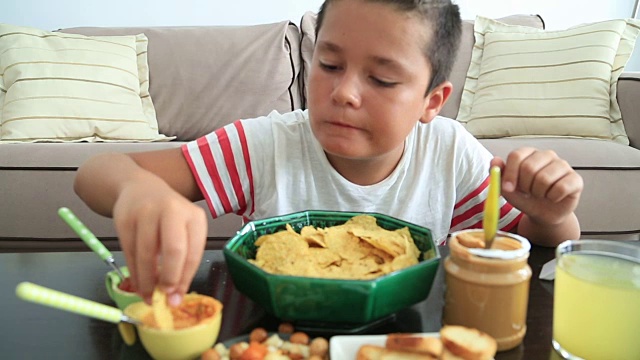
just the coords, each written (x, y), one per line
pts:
(488, 289)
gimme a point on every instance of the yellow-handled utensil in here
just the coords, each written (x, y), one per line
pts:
(89, 238)
(56, 299)
(492, 207)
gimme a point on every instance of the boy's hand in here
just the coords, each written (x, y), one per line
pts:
(163, 236)
(540, 184)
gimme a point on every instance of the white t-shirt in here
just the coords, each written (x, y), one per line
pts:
(273, 165)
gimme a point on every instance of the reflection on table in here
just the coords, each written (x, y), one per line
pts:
(33, 331)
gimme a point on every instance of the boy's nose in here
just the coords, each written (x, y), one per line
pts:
(346, 91)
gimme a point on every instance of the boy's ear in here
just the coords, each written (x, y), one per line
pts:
(435, 100)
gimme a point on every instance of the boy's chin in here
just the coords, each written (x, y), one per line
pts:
(342, 149)
(345, 154)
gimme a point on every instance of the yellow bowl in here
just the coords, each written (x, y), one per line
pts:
(187, 343)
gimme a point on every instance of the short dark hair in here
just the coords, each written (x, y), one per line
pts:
(441, 17)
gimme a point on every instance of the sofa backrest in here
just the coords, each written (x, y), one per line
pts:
(205, 77)
(460, 66)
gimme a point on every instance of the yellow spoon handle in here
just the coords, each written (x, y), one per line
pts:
(59, 300)
(492, 206)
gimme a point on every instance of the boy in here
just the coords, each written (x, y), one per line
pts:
(370, 141)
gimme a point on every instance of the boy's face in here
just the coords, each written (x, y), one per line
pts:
(367, 81)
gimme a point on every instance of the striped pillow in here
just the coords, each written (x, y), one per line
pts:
(525, 81)
(64, 87)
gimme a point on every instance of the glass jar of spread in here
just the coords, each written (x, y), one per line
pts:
(488, 289)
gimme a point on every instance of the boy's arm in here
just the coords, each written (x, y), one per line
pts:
(549, 235)
(547, 191)
(100, 179)
(150, 197)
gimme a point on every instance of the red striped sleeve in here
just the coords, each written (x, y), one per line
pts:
(247, 162)
(471, 218)
(187, 156)
(512, 225)
(504, 210)
(205, 151)
(476, 209)
(473, 194)
(229, 161)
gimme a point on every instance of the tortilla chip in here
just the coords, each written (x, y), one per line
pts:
(161, 311)
(313, 236)
(357, 249)
(387, 241)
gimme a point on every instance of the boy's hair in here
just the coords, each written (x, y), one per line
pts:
(441, 17)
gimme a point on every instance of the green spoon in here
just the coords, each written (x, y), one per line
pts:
(90, 239)
(48, 297)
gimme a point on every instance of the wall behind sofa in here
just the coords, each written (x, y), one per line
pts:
(557, 15)
(50, 15)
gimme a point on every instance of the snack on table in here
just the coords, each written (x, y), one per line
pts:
(160, 310)
(431, 346)
(298, 347)
(455, 343)
(373, 352)
(192, 311)
(357, 249)
(467, 343)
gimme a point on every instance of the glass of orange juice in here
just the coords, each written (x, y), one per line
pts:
(596, 308)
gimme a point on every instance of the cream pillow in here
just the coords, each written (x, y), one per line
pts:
(64, 87)
(524, 81)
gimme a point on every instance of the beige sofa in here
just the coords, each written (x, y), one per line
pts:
(202, 78)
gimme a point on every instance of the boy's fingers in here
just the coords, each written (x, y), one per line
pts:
(571, 184)
(511, 171)
(547, 177)
(146, 256)
(497, 161)
(197, 229)
(173, 237)
(197, 235)
(532, 171)
(126, 235)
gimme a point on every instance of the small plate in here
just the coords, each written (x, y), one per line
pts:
(346, 346)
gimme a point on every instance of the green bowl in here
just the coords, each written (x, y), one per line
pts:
(326, 301)
(121, 298)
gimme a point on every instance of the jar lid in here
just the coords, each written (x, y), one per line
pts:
(504, 254)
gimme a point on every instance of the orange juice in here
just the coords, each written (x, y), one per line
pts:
(596, 312)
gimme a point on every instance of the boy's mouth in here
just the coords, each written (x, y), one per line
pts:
(342, 125)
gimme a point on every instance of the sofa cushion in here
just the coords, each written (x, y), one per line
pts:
(463, 59)
(460, 66)
(609, 171)
(65, 87)
(204, 77)
(37, 179)
(627, 93)
(529, 82)
(57, 156)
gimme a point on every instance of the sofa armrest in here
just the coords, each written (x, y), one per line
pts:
(628, 94)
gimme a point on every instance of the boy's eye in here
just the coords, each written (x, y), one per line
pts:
(383, 83)
(328, 67)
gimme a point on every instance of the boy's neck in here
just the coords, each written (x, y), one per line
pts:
(367, 171)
